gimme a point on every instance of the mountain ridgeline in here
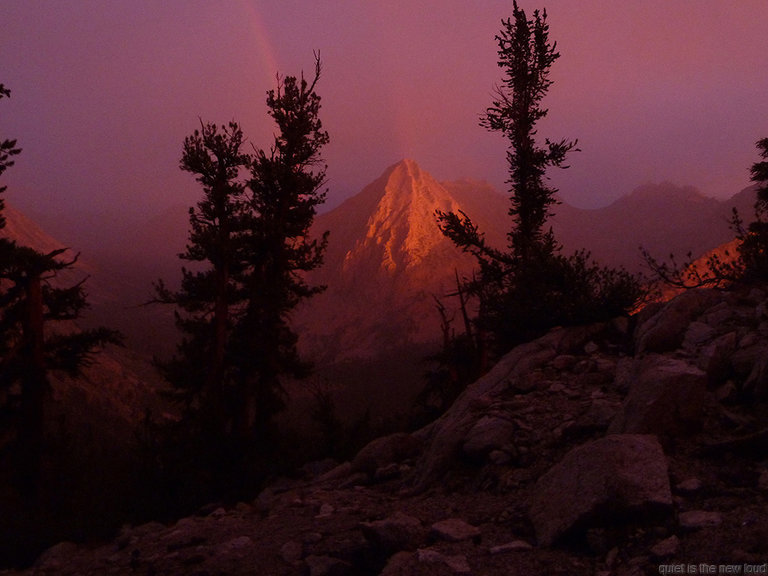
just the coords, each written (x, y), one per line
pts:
(387, 260)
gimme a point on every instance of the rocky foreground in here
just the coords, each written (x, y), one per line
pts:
(625, 448)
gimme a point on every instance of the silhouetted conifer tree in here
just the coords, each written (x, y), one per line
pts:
(200, 371)
(284, 192)
(754, 246)
(251, 234)
(29, 302)
(531, 287)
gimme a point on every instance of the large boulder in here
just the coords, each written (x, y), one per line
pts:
(667, 398)
(599, 483)
(394, 533)
(665, 330)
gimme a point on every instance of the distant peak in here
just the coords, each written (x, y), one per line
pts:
(407, 166)
(664, 190)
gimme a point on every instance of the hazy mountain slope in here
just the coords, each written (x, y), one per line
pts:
(662, 218)
(387, 258)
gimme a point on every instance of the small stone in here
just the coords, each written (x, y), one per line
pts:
(458, 564)
(726, 391)
(326, 566)
(666, 548)
(696, 519)
(762, 481)
(690, 486)
(218, 513)
(312, 538)
(291, 552)
(341, 471)
(354, 480)
(591, 347)
(454, 530)
(239, 543)
(394, 533)
(326, 510)
(511, 547)
(56, 556)
(500, 457)
(387, 472)
(564, 362)
(265, 500)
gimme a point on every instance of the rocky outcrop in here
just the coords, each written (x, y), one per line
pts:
(607, 449)
(487, 416)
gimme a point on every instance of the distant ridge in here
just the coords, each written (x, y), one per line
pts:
(387, 259)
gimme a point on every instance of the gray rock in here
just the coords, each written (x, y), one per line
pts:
(619, 473)
(564, 362)
(387, 472)
(341, 471)
(762, 481)
(697, 519)
(57, 556)
(445, 437)
(356, 479)
(744, 360)
(327, 566)
(689, 486)
(715, 357)
(489, 433)
(384, 451)
(325, 511)
(665, 330)
(454, 530)
(399, 564)
(718, 314)
(697, 334)
(666, 548)
(514, 546)
(235, 547)
(457, 564)
(757, 382)
(591, 347)
(501, 457)
(292, 552)
(394, 533)
(667, 398)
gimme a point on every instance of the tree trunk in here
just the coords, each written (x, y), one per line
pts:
(34, 385)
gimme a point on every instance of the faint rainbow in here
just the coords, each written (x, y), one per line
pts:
(265, 51)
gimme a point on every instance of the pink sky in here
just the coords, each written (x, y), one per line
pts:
(104, 92)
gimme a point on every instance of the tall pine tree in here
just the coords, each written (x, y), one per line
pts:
(531, 286)
(200, 370)
(284, 191)
(250, 236)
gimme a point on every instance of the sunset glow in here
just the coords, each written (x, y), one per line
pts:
(104, 93)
